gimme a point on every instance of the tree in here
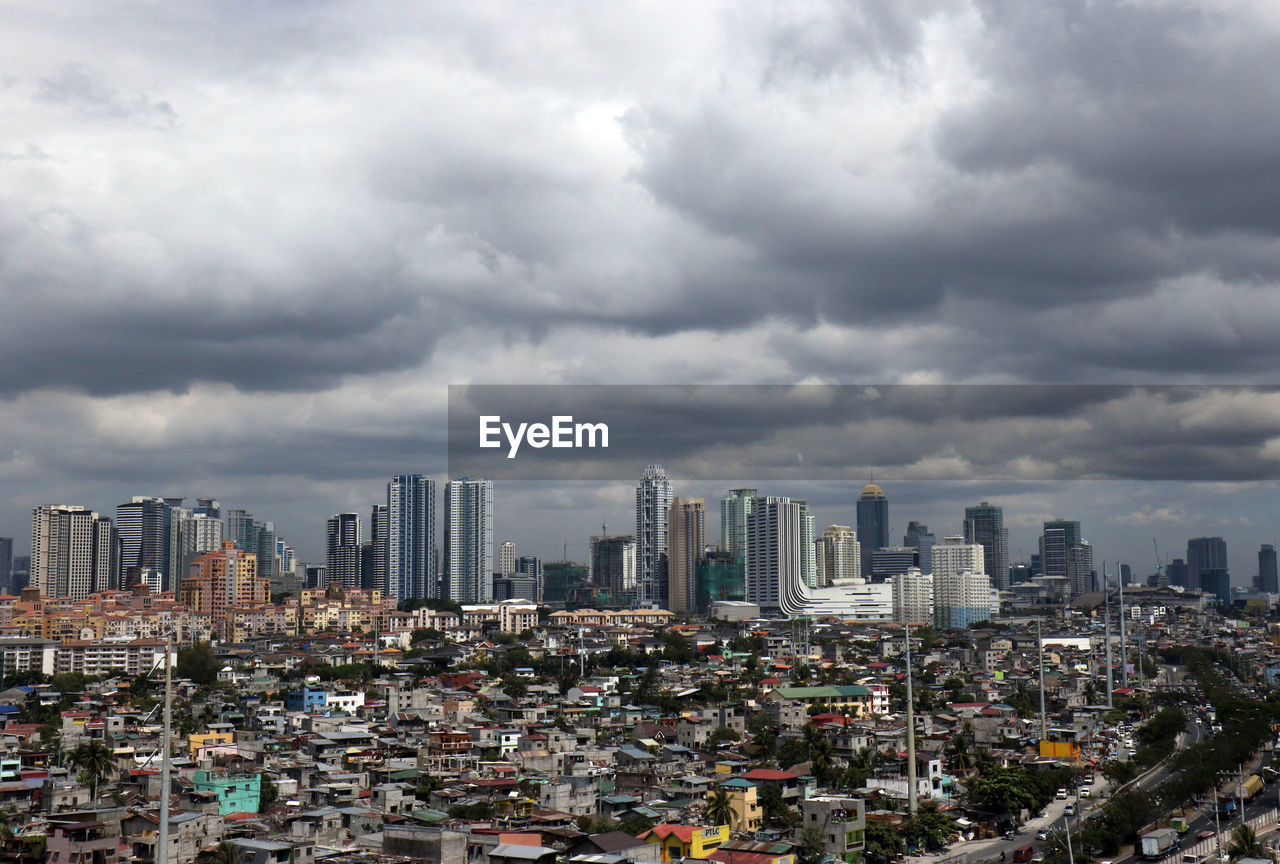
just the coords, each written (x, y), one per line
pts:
(267, 792)
(223, 853)
(720, 807)
(1245, 844)
(776, 812)
(811, 844)
(634, 824)
(198, 663)
(720, 735)
(883, 842)
(929, 828)
(95, 761)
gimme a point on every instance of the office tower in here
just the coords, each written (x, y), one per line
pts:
(315, 577)
(241, 530)
(774, 561)
(889, 561)
(1267, 577)
(873, 523)
(1204, 553)
(468, 539)
(141, 526)
(1080, 572)
(6, 565)
(343, 552)
(1126, 574)
(265, 549)
(373, 573)
(74, 552)
(808, 546)
(913, 597)
(838, 559)
(208, 507)
(687, 536)
(411, 537)
(719, 576)
(1064, 555)
(653, 509)
(984, 524)
(1177, 573)
(191, 534)
(1215, 583)
(1019, 573)
(20, 576)
(734, 510)
(531, 565)
(507, 558)
(515, 586)
(613, 567)
(920, 538)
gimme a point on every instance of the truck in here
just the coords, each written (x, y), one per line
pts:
(1159, 843)
(1251, 786)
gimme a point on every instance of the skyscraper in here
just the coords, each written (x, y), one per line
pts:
(734, 509)
(1204, 553)
(468, 539)
(141, 526)
(6, 565)
(838, 559)
(774, 559)
(653, 509)
(411, 537)
(191, 534)
(613, 566)
(920, 538)
(374, 561)
(873, 523)
(1268, 583)
(343, 554)
(984, 524)
(74, 552)
(1064, 554)
(913, 597)
(507, 558)
(687, 535)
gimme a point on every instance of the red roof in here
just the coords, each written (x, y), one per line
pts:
(770, 774)
(684, 832)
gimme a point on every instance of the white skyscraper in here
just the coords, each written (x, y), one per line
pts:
(653, 509)
(411, 537)
(839, 557)
(468, 539)
(507, 558)
(734, 509)
(73, 552)
(954, 556)
(913, 597)
(775, 558)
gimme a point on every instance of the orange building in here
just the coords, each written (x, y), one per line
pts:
(223, 580)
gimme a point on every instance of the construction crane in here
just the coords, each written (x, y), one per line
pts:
(1159, 561)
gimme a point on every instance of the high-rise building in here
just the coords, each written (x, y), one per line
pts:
(775, 562)
(920, 538)
(223, 580)
(20, 576)
(1080, 570)
(6, 565)
(1268, 583)
(687, 537)
(613, 567)
(873, 523)
(208, 507)
(191, 534)
(984, 524)
(374, 560)
(242, 530)
(142, 526)
(889, 561)
(1215, 583)
(1204, 553)
(343, 552)
(955, 556)
(561, 580)
(913, 597)
(1177, 573)
(735, 507)
(74, 552)
(1064, 554)
(838, 558)
(720, 576)
(468, 539)
(268, 563)
(961, 600)
(531, 565)
(653, 509)
(507, 558)
(411, 537)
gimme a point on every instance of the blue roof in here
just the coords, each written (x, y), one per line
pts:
(9, 709)
(738, 783)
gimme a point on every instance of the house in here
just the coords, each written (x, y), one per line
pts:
(685, 841)
(744, 798)
(842, 821)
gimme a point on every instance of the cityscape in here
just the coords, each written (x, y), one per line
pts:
(775, 694)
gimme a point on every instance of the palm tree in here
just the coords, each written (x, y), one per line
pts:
(720, 807)
(223, 853)
(1245, 844)
(95, 761)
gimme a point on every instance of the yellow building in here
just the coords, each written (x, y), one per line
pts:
(745, 800)
(201, 740)
(686, 841)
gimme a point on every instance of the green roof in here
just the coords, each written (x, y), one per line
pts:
(823, 692)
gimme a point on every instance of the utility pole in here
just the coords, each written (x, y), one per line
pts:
(162, 840)
(1044, 731)
(1106, 606)
(1124, 648)
(912, 804)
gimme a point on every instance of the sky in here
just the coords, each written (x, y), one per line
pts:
(245, 248)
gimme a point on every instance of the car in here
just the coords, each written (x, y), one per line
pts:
(1042, 834)
(1062, 794)
(1009, 835)
(1204, 835)
(1070, 810)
